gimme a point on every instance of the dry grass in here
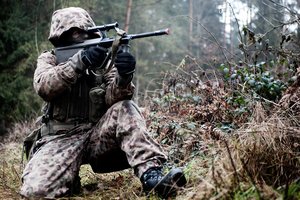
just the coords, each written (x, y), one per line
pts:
(248, 164)
(269, 151)
(260, 160)
(118, 185)
(10, 170)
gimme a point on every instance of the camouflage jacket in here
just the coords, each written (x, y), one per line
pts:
(61, 85)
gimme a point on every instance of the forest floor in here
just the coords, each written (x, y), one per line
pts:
(214, 166)
(224, 155)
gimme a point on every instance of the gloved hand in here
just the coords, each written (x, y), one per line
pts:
(93, 56)
(125, 63)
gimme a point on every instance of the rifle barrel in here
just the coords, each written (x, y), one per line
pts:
(149, 34)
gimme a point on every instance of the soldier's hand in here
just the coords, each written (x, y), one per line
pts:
(93, 56)
(125, 63)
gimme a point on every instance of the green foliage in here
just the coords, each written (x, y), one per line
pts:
(17, 62)
(249, 193)
(255, 79)
(18, 99)
(250, 84)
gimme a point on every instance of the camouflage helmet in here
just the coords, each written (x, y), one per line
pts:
(67, 18)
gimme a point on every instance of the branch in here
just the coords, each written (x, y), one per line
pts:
(279, 26)
(215, 39)
(232, 163)
(285, 7)
(236, 20)
(265, 19)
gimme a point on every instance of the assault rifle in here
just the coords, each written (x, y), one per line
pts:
(122, 39)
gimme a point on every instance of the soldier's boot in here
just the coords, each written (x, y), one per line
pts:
(164, 185)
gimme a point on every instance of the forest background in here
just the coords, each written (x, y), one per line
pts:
(220, 93)
(204, 30)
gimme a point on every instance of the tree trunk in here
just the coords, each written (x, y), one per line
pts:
(128, 12)
(191, 24)
(225, 11)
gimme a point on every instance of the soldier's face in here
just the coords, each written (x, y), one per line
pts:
(79, 36)
(73, 36)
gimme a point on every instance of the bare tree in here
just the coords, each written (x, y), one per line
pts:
(191, 24)
(128, 12)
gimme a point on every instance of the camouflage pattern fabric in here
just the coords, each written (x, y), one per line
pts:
(51, 80)
(117, 141)
(66, 18)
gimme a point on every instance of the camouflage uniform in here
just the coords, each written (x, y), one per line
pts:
(117, 140)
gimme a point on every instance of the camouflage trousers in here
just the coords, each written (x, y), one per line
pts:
(118, 141)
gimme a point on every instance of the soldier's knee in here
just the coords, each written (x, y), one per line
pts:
(128, 103)
(126, 107)
(125, 104)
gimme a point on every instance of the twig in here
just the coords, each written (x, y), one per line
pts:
(271, 102)
(237, 23)
(232, 162)
(291, 11)
(213, 171)
(269, 6)
(251, 178)
(240, 34)
(13, 169)
(286, 190)
(215, 39)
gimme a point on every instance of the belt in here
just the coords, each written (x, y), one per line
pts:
(52, 127)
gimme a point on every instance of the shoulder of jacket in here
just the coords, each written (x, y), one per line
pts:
(48, 56)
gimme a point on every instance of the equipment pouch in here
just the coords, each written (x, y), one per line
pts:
(97, 106)
(29, 142)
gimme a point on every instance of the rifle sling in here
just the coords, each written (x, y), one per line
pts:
(115, 46)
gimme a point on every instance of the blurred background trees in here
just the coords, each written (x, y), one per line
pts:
(210, 32)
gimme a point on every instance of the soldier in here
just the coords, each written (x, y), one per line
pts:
(72, 133)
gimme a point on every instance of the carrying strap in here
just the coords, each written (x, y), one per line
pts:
(112, 55)
(115, 46)
(48, 115)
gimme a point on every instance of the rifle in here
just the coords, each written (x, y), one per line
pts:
(122, 39)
